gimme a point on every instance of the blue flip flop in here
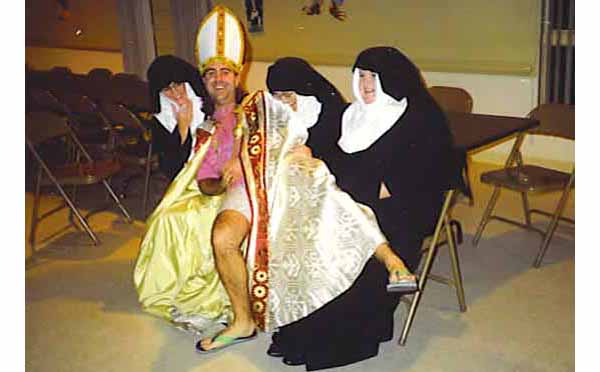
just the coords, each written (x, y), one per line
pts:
(227, 342)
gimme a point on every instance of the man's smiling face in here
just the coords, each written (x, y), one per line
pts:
(220, 81)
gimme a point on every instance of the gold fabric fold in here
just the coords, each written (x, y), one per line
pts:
(174, 274)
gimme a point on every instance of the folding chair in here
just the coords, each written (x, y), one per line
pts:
(42, 127)
(43, 100)
(134, 143)
(557, 120)
(91, 127)
(444, 225)
(452, 98)
(133, 93)
(100, 73)
(98, 86)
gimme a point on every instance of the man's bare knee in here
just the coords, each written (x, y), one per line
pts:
(229, 230)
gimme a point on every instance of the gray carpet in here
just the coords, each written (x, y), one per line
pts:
(82, 313)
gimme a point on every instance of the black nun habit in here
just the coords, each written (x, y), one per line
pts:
(414, 157)
(163, 71)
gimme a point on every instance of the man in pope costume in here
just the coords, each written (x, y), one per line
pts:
(262, 246)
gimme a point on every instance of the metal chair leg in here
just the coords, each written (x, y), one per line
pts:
(67, 200)
(458, 284)
(552, 227)
(514, 155)
(36, 205)
(81, 219)
(146, 188)
(526, 210)
(486, 215)
(426, 269)
(74, 199)
(118, 201)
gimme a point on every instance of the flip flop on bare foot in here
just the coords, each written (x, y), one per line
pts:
(224, 341)
(401, 280)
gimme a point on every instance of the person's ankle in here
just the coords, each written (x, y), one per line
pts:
(243, 323)
(393, 263)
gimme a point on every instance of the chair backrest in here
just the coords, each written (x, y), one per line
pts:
(44, 100)
(98, 85)
(452, 98)
(100, 73)
(555, 120)
(132, 92)
(78, 103)
(63, 80)
(125, 75)
(38, 79)
(42, 126)
(117, 114)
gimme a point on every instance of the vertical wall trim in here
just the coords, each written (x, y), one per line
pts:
(544, 52)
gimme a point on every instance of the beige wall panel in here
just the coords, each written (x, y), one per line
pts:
(79, 61)
(493, 36)
(96, 18)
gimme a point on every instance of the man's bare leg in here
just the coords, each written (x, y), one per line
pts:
(394, 264)
(229, 230)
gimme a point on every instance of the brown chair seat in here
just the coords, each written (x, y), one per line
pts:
(45, 130)
(136, 155)
(85, 173)
(527, 178)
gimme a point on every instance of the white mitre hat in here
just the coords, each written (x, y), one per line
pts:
(220, 39)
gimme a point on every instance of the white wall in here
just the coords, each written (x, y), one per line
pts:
(492, 94)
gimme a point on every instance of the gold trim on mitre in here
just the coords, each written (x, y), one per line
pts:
(220, 38)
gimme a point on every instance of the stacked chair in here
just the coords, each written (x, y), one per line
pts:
(134, 147)
(49, 128)
(106, 112)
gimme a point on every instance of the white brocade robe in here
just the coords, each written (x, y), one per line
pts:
(309, 240)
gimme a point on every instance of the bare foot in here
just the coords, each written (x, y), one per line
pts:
(401, 274)
(236, 330)
(398, 271)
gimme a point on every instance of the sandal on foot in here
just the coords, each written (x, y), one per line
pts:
(226, 340)
(407, 283)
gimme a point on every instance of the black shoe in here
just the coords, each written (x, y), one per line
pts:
(294, 360)
(274, 351)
